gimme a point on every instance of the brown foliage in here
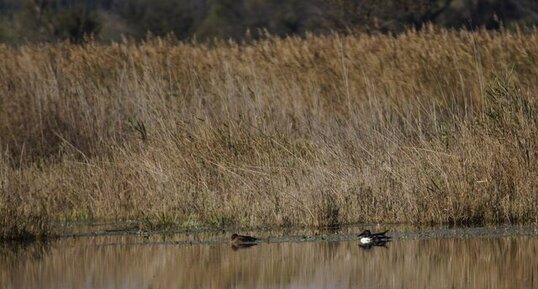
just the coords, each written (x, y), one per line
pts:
(429, 127)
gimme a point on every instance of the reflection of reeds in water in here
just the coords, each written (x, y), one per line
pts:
(455, 263)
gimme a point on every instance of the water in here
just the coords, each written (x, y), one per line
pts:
(439, 258)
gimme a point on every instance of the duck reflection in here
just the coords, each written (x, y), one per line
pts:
(236, 247)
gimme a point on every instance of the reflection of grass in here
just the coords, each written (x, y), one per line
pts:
(440, 263)
(433, 127)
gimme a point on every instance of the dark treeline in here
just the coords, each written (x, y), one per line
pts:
(23, 21)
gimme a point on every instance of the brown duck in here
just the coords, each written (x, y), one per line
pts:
(243, 241)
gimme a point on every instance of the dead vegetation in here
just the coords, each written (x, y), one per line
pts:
(429, 127)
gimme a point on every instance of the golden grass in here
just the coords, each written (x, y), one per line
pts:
(427, 127)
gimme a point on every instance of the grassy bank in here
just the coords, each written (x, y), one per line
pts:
(430, 127)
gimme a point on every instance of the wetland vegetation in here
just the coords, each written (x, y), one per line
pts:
(436, 126)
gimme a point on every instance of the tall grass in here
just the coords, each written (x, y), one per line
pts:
(428, 127)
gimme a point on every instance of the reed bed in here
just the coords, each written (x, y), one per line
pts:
(428, 127)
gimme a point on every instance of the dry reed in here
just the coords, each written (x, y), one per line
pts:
(428, 127)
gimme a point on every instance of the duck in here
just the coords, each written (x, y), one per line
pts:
(239, 240)
(369, 239)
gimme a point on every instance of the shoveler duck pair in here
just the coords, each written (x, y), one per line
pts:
(369, 239)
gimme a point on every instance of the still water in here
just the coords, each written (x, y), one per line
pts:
(437, 258)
